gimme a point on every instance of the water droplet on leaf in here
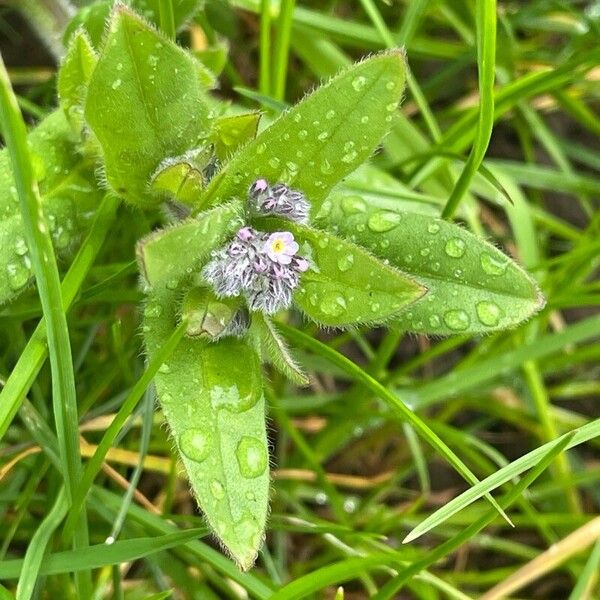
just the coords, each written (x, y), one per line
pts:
(488, 313)
(456, 319)
(352, 205)
(383, 220)
(252, 457)
(455, 247)
(195, 444)
(333, 304)
(493, 265)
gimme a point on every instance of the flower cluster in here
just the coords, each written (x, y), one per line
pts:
(278, 200)
(264, 267)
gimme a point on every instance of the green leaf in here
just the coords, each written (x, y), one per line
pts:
(145, 102)
(160, 255)
(214, 58)
(206, 315)
(211, 396)
(472, 286)
(276, 350)
(232, 132)
(94, 16)
(74, 76)
(345, 285)
(324, 137)
(69, 197)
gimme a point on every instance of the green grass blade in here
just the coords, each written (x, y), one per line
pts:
(100, 555)
(486, 63)
(34, 556)
(515, 468)
(392, 400)
(48, 283)
(35, 353)
(95, 463)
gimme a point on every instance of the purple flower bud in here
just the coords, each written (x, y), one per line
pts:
(301, 264)
(245, 234)
(258, 187)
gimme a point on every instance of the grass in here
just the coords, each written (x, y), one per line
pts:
(499, 92)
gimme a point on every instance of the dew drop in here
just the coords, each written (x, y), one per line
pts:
(260, 148)
(358, 83)
(195, 444)
(424, 252)
(349, 157)
(153, 310)
(252, 457)
(216, 489)
(323, 242)
(333, 304)
(433, 228)
(172, 284)
(375, 306)
(392, 106)
(21, 246)
(164, 368)
(434, 321)
(456, 319)
(390, 85)
(18, 275)
(383, 220)
(345, 262)
(274, 162)
(116, 84)
(303, 134)
(488, 313)
(455, 247)
(364, 120)
(326, 167)
(352, 205)
(330, 114)
(493, 265)
(323, 136)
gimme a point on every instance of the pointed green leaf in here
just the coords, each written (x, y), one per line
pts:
(214, 58)
(346, 285)
(325, 136)
(145, 102)
(170, 256)
(74, 76)
(211, 396)
(472, 286)
(276, 350)
(232, 132)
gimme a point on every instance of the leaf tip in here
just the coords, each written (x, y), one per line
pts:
(413, 535)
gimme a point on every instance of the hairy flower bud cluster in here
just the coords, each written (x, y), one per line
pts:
(263, 267)
(278, 200)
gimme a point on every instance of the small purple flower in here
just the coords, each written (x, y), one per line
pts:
(281, 247)
(279, 200)
(263, 267)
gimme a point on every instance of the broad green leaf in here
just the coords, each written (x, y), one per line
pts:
(472, 286)
(232, 132)
(324, 137)
(346, 285)
(211, 396)
(145, 102)
(170, 256)
(74, 76)
(69, 197)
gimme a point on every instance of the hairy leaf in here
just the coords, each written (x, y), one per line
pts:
(145, 102)
(346, 285)
(170, 256)
(69, 197)
(324, 137)
(211, 396)
(472, 286)
(232, 132)
(74, 76)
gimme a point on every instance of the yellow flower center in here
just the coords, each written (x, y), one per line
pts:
(278, 246)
